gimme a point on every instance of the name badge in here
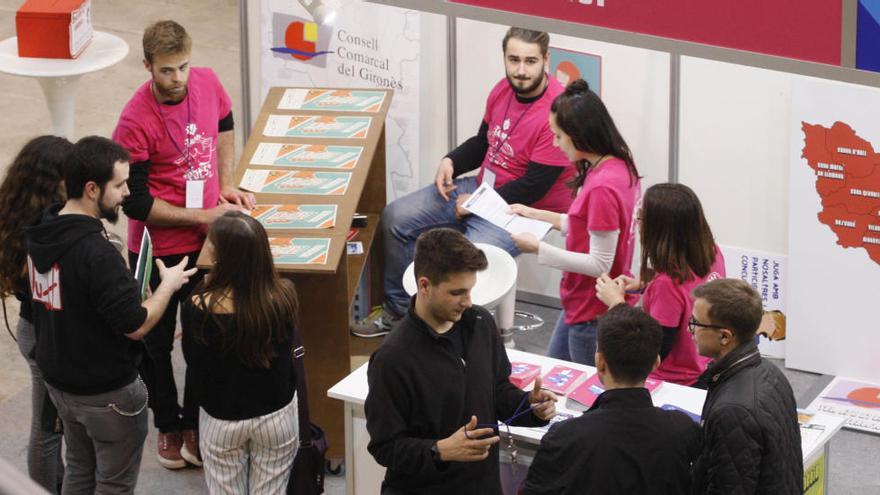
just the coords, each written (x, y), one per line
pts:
(489, 177)
(195, 194)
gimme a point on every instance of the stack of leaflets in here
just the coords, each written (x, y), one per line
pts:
(522, 374)
(561, 379)
(583, 397)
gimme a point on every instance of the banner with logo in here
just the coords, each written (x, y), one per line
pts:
(369, 45)
(800, 29)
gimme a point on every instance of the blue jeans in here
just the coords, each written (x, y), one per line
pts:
(407, 217)
(575, 342)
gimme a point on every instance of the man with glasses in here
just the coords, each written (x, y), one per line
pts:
(751, 439)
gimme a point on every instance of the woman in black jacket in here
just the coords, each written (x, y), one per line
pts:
(243, 315)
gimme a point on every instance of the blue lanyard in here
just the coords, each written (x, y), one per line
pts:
(519, 412)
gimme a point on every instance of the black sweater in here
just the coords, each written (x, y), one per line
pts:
(622, 445)
(421, 392)
(85, 300)
(229, 389)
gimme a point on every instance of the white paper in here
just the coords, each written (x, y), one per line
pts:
(485, 202)
(195, 194)
(253, 180)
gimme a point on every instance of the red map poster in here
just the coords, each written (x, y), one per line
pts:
(848, 181)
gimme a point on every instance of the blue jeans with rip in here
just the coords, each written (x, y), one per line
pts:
(407, 217)
(574, 342)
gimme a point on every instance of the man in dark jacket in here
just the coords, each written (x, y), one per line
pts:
(88, 316)
(439, 382)
(623, 444)
(751, 439)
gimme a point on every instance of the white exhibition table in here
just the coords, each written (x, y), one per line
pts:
(59, 78)
(364, 476)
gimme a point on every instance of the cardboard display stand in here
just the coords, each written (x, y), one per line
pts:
(326, 290)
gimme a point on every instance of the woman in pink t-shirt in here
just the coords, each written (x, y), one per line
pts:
(678, 254)
(598, 228)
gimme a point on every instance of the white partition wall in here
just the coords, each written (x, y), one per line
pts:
(635, 87)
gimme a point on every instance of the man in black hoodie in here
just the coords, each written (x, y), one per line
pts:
(751, 438)
(89, 317)
(442, 370)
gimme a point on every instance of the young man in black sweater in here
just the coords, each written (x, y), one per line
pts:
(439, 383)
(89, 317)
(623, 444)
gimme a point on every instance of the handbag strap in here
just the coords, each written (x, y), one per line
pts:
(302, 396)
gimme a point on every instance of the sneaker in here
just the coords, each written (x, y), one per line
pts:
(168, 453)
(190, 449)
(379, 323)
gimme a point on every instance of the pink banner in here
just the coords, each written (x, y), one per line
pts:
(800, 29)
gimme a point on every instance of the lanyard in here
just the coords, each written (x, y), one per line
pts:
(513, 127)
(184, 152)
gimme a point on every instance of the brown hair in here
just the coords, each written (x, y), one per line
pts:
(581, 115)
(444, 252)
(264, 305)
(733, 304)
(629, 340)
(676, 239)
(32, 183)
(539, 38)
(164, 38)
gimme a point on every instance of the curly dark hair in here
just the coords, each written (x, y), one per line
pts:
(32, 183)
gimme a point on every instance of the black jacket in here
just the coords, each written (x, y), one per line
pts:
(622, 445)
(751, 438)
(421, 392)
(84, 301)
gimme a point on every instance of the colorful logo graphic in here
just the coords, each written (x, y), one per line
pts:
(300, 39)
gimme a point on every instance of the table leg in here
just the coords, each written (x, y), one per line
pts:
(504, 314)
(60, 95)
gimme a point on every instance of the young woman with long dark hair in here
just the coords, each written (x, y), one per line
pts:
(243, 316)
(32, 183)
(678, 254)
(598, 228)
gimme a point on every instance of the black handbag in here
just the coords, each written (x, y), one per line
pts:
(307, 474)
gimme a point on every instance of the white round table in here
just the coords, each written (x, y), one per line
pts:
(495, 287)
(59, 78)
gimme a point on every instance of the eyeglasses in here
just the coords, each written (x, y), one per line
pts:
(693, 324)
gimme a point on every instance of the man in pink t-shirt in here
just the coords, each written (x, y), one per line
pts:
(178, 129)
(513, 151)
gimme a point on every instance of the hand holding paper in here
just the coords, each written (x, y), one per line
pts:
(485, 202)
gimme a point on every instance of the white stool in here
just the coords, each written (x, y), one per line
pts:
(495, 288)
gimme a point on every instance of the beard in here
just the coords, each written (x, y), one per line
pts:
(520, 90)
(169, 95)
(109, 213)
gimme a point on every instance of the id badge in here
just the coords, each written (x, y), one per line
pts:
(489, 177)
(195, 194)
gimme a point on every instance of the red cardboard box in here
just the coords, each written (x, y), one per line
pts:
(53, 28)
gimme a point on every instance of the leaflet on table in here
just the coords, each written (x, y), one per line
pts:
(811, 431)
(299, 250)
(585, 394)
(295, 216)
(522, 374)
(558, 418)
(561, 379)
(307, 155)
(298, 182)
(334, 100)
(487, 203)
(317, 126)
(857, 401)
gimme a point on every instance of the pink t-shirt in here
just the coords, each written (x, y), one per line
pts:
(671, 304)
(176, 152)
(519, 133)
(606, 202)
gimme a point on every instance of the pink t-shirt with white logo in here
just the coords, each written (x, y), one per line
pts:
(671, 304)
(180, 141)
(606, 202)
(520, 133)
